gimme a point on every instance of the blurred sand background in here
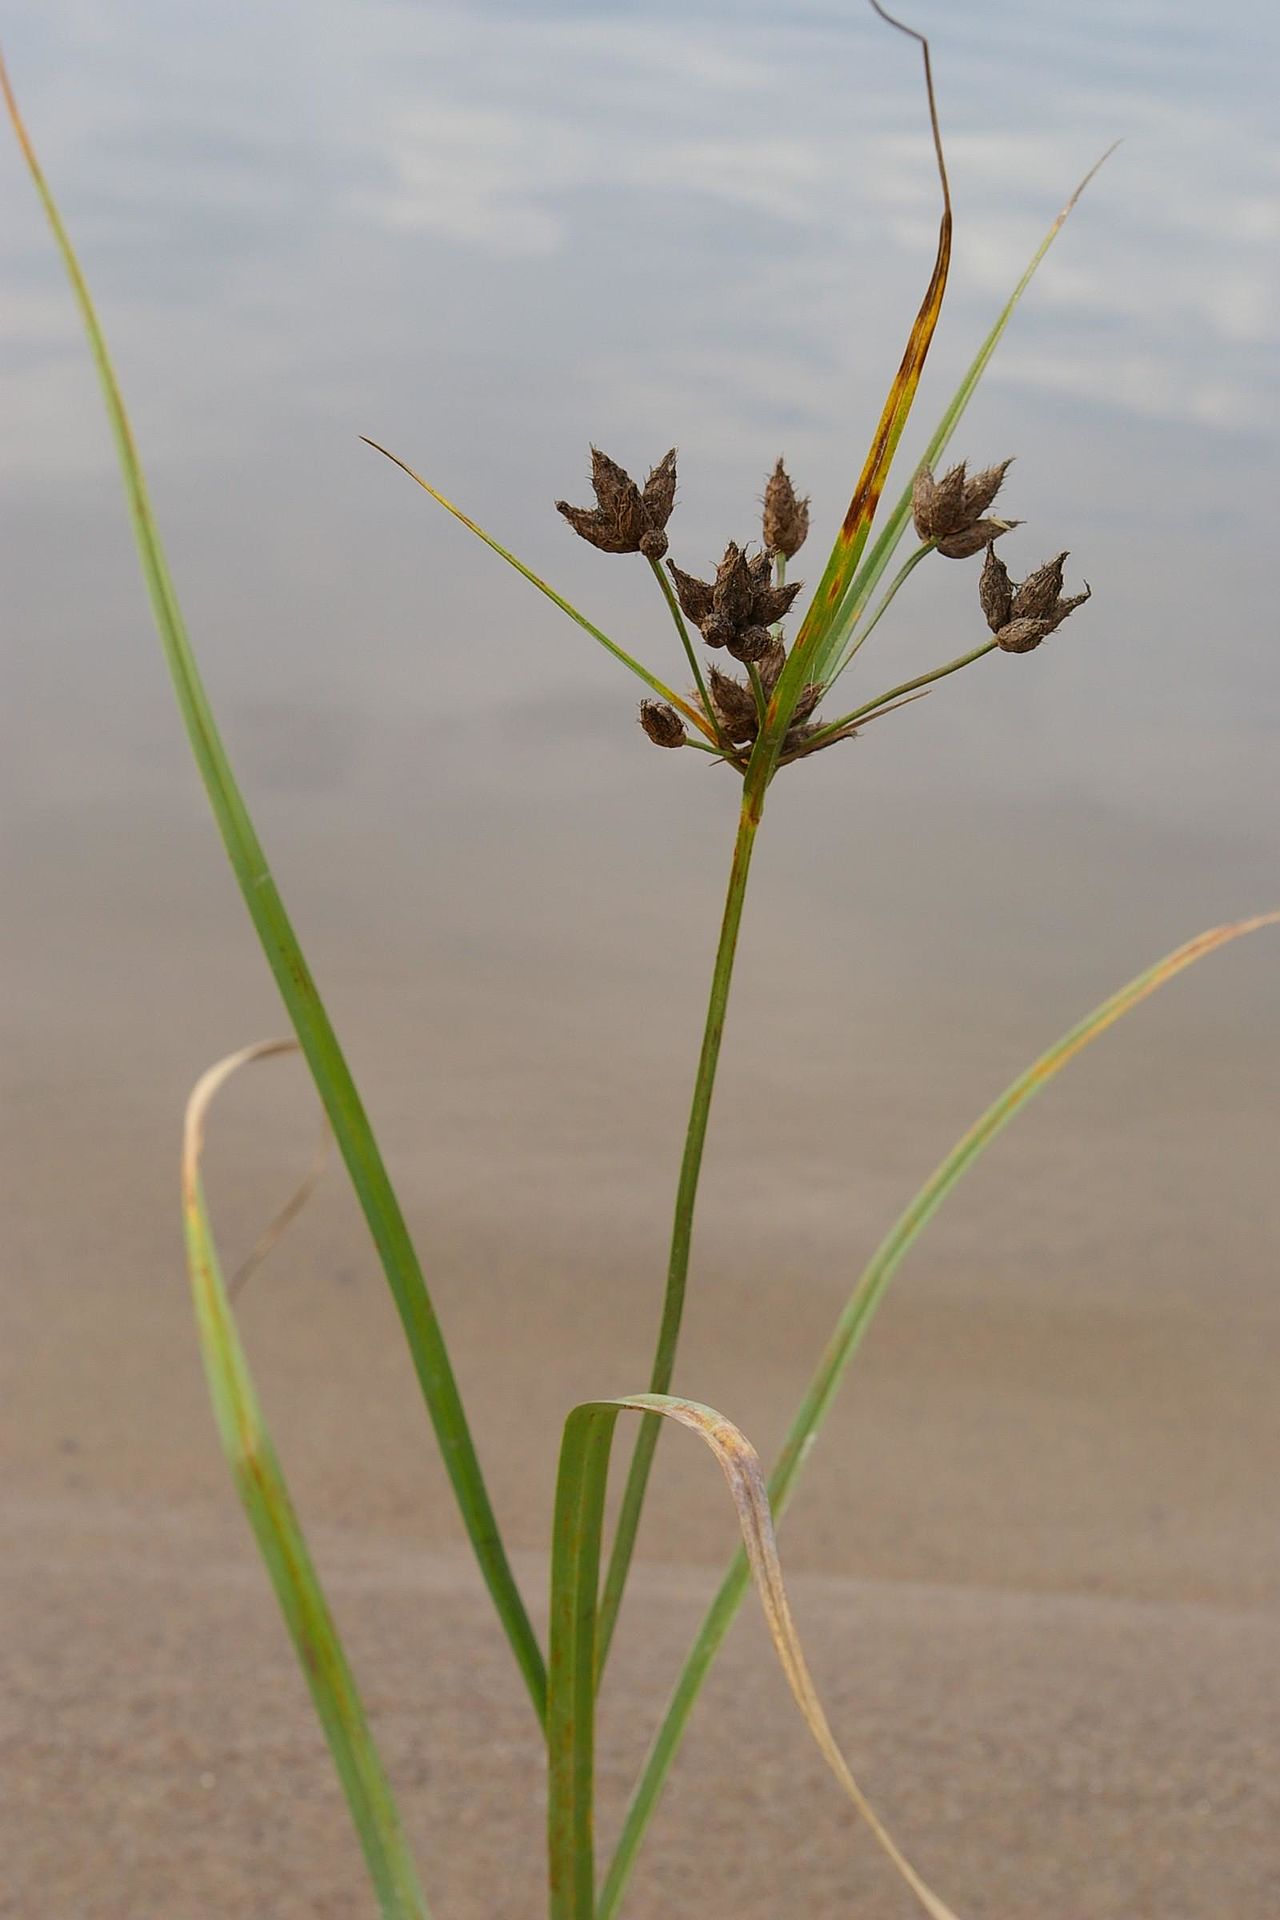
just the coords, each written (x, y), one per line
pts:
(1036, 1558)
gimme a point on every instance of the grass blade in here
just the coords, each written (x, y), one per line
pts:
(835, 653)
(261, 1486)
(651, 681)
(580, 1491)
(807, 654)
(844, 1343)
(301, 997)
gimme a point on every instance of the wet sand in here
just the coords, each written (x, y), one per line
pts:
(1035, 1559)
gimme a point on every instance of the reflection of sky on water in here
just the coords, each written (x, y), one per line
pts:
(491, 233)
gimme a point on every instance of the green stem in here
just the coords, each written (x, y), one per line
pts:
(894, 693)
(695, 665)
(686, 1195)
(757, 687)
(903, 574)
(840, 1350)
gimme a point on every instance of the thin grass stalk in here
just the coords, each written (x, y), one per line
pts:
(839, 1351)
(265, 1495)
(695, 665)
(301, 997)
(891, 592)
(703, 722)
(663, 1367)
(895, 693)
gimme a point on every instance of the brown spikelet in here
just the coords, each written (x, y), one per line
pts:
(971, 540)
(662, 724)
(785, 524)
(736, 706)
(1040, 591)
(695, 596)
(995, 591)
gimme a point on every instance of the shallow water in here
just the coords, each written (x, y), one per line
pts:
(489, 235)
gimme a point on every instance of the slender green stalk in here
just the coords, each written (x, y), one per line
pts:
(301, 997)
(650, 680)
(757, 687)
(894, 693)
(686, 1196)
(900, 578)
(839, 1351)
(261, 1484)
(695, 665)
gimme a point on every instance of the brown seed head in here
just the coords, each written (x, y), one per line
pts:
(785, 524)
(662, 724)
(736, 608)
(623, 519)
(1030, 612)
(949, 512)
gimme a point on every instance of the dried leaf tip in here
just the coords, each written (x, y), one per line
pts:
(785, 524)
(950, 512)
(662, 724)
(1021, 617)
(738, 607)
(624, 518)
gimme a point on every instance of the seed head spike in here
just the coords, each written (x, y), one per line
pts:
(785, 524)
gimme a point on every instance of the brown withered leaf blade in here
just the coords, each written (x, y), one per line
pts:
(856, 526)
(580, 1491)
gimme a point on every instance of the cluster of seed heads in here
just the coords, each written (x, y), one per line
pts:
(950, 513)
(738, 607)
(1021, 617)
(625, 519)
(740, 610)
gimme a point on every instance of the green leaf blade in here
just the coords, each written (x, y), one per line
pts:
(299, 993)
(845, 1339)
(264, 1493)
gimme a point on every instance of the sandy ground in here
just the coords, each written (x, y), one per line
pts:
(1039, 1755)
(1036, 1559)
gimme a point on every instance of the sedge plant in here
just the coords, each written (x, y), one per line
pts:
(758, 723)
